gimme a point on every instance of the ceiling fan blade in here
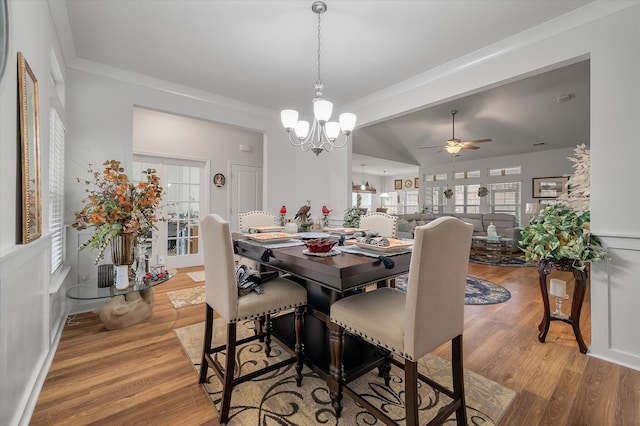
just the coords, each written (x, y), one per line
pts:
(478, 141)
(429, 147)
(469, 147)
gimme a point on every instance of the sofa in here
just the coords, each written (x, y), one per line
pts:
(505, 224)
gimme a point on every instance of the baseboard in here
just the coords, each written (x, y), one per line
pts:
(32, 400)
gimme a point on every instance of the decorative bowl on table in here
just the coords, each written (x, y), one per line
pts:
(320, 246)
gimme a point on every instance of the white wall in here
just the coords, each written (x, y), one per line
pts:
(169, 135)
(611, 43)
(31, 302)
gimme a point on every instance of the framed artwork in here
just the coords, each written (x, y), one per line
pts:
(30, 152)
(219, 180)
(549, 187)
(416, 183)
(4, 36)
(397, 184)
(408, 183)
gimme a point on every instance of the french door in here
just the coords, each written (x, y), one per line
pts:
(176, 242)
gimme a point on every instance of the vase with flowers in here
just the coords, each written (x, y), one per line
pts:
(121, 211)
(448, 193)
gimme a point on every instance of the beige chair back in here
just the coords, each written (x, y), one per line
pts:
(436, 287)
(384, 224)
(255, 218)
(221, 290)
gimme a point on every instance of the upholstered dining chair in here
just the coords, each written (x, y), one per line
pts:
(410, 325)
(255, 218)
(384, 224)
(221, 296)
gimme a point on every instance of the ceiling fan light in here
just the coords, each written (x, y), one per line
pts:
(454, 149)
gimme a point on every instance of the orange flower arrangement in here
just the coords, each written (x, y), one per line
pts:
(116, 205)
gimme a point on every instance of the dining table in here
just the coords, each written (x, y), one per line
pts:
(327, 279)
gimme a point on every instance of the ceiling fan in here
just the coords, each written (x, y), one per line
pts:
(454, 145)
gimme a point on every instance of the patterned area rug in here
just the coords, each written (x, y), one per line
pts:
(186, 296)
(275, 399)
(515, 261)
(477, 291)
(197, 276)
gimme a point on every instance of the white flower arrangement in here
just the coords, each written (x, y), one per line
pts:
(483, 191)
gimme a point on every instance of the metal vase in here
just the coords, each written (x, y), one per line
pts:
(122, 249)
(122, 255)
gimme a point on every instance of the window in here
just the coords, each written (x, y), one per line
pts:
(466, 174)
(433, 177)
(56, 188)
(505, 198)
(507, 171)
(435, 199)
(366, 200)
(410, 202)
(466, 199)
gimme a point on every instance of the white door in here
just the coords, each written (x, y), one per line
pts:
(176, 243)
(246, 191)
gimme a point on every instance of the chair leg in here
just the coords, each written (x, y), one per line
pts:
(208, 334)
(458, 379)
(335, 382)
(385, 369)
(411, 392)
(266, 329)
(299, 350)
(258, 328)
(229, 369)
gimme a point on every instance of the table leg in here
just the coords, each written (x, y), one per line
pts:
(543, 327)
(576, 309)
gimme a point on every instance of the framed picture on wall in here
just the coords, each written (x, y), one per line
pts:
(416, 183)
(397, 184)
(549, 187)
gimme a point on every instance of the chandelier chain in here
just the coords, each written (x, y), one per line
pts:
(319, 79)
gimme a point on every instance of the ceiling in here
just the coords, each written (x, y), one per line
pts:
(262, 54)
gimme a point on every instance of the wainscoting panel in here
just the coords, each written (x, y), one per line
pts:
(615, 303)
(24, 327)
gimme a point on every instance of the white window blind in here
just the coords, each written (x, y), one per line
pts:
(56, 189)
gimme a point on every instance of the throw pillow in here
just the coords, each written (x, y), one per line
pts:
(403, 226)
(477, 224)
(412, 225)
(420, 222)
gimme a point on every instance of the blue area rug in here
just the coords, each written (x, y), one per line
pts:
(477, 292)
(516, 261)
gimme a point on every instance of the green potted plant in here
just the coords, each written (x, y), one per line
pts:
(352, 215)
(559, 232)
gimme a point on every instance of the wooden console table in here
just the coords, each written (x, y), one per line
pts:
(544, 268)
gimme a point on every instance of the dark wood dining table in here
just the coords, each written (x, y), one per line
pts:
(326, 280)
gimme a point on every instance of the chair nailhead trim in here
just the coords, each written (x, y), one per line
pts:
(369, 339)
(272, 311)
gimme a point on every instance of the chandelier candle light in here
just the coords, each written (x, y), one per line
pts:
(324, 134)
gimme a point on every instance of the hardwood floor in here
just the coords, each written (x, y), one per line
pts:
(141, 376)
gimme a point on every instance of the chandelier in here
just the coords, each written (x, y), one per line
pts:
(324, 135)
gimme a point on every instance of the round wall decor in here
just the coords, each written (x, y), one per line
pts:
(219, 180)
(408, 183)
